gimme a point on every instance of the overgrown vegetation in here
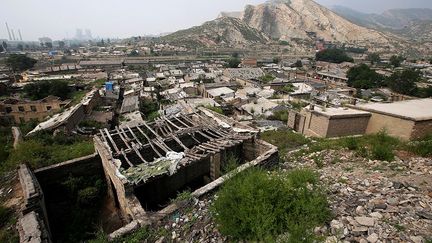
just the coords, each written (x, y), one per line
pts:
(19, 62)
(43, 149)
(267, 78)
(231, 164)
(363, 77)
(333, 55)
(404, 82)
(258, 206)
(42, 89)
(8, 233)
(378, 146)
(150, 109)
(215, 109)
(82, 200)
(285, 140)
(144, 234)
(281, 115)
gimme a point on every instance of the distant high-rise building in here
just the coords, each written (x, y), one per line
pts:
(79, 34)
(88, 34)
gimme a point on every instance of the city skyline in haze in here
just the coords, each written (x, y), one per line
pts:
(109, 18)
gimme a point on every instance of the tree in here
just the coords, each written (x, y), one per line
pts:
(61, 44)
(363, 77)
(134, 53)
(333, 55)
(49, 45)
(373, 58)
(18, 62)
(404, 82)
(40, 90)
(234, 62)
(396, 61)
(20, 47)
(276, 60)
(298, 64)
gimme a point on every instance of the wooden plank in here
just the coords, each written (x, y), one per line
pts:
(103, 136)
(184, 124)
(134, 135)
(122, 138)
(112, 141)
(126, 158)
(150, 142)
(139, 154)
(179, 142)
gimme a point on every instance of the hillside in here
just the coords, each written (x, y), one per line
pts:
(224, 31)
(390, 19)
(286, 19)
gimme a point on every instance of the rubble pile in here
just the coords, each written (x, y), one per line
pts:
(193, 223)
(374, 201)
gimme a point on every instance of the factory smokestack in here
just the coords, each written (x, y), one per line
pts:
(8, 30)
(13, 35)
(19, 33)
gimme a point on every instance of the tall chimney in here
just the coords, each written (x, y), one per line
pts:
(19, 33)
(13, 34)
(8, 30)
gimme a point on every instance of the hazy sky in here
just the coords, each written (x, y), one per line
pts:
(114, 18)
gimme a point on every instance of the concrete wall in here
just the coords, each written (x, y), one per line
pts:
(394, 126)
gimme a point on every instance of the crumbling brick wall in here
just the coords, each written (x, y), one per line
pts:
(33, 222)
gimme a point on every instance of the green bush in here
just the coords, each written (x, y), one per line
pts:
(422, 147)
(257, 206)
(231, 164)
(382, 152)
(351, 143)
(5, 214)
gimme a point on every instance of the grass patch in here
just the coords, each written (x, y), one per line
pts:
(258, 206)
(285, 140)
(8, 233)
(422, 147)
(44, 149)
(231, 164)
(144, 234)
(215, 109)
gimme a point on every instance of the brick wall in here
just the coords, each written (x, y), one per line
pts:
(421, 129)
(347, 126)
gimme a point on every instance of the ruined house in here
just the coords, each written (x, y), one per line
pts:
(20, 111)
(146, 166)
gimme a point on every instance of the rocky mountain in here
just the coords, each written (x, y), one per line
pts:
(289, 20)
(236, 14)
(286, 19)
(223, 31)
(418, 30)
(390, 19)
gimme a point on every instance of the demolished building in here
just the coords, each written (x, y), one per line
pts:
(147, 166)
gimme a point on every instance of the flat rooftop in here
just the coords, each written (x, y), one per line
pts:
(339, 112)
(416, 110)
